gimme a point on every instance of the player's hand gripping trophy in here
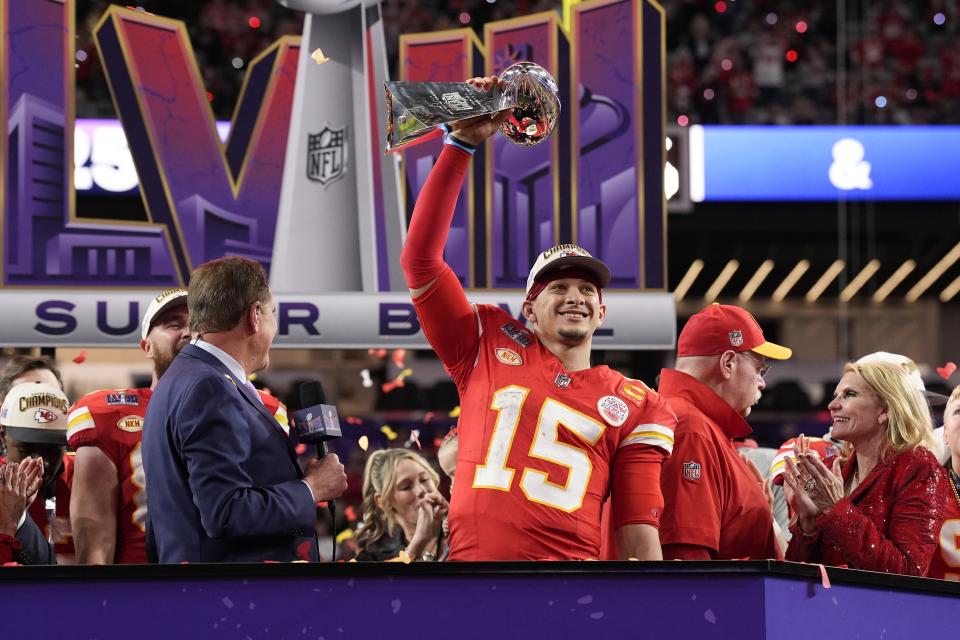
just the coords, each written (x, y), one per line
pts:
(416, 109)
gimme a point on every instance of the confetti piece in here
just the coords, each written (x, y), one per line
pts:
(388, 431)
(301, 449)
(406, 373)
(428, 416)
(404, 557)
(354, 420)
(414, 439)
(367, 380)
(824, 578)
(437, 442)
(387, 387)
(350, 513)
(380, 353)
(81, 357)
(346, 534)
(398, 356)
(318, 57)
(455, 413)
(947, 370)
(364, 442)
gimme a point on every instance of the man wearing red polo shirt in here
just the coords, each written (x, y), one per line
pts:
(714, 507)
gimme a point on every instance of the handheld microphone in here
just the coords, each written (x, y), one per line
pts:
(317, 422)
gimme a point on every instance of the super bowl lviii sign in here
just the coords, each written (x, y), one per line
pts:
(301, 182)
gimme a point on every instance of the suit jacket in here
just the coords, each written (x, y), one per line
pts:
(223, 482)
(35, 548)
(890, 523)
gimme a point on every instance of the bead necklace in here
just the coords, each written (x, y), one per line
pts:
(953, 485)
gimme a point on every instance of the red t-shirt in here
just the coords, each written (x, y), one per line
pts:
(112, 421)
(711, 497)
(945, 564)
(540, 449)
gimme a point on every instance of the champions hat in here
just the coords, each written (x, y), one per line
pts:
(562, 257)
(36, 413)
(725, 327)
(935, 399)
(167, 299)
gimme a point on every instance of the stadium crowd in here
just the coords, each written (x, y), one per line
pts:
(729, 62)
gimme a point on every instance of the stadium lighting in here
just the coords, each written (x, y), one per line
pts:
(828, 276)
(934, 274)
(756, 280)
(792, 278)
(859, 280)
(894, 281)
(688, 279)
(728, 270)
(947, 294)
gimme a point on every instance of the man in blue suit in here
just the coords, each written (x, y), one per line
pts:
(223, 480)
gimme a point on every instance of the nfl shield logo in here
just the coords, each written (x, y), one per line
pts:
(327, 154)
(691, 470)
(736, 338)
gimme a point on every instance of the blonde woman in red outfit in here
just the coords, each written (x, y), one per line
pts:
(883, 510)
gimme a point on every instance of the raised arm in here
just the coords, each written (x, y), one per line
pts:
(447, 319)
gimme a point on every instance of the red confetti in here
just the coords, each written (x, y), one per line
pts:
(428, 416)
(254, 22)
(80, 358)
(947, 370)
(380, 353)
(301, 449)
(792, 56)
(437, 442)
(354, 420)
(350, 513)
(322, 504)
(387, 387)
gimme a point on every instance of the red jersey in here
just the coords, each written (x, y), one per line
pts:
(57, 529)
(946, 559)
(540, 449)
(112, 421)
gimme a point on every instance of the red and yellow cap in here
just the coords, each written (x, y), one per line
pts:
(725, 327)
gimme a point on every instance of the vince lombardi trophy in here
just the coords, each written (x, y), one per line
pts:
(341, 224)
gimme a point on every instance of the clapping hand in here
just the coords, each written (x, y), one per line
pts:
(810, 487)
(19, 484)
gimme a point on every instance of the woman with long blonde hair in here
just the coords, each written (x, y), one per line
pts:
(882, 510)
(402, 508)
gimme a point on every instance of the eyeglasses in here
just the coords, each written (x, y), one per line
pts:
(764, 367)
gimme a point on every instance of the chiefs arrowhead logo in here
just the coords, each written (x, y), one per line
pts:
(509, 356)
(44, 415)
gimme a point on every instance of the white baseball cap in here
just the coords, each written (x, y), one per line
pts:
(567, 256)
(167, 299)
(934, 398)
(35, 412)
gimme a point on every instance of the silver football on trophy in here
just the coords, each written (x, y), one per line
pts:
(532, 93)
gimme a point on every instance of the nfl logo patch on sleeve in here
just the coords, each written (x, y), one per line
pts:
(691, 470)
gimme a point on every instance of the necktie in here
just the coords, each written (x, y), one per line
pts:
(253, 390)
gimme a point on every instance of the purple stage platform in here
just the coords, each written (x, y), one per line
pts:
(743, 600)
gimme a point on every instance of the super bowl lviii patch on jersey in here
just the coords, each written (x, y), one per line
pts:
(518, 335)
(613, 409)
(509, 356)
